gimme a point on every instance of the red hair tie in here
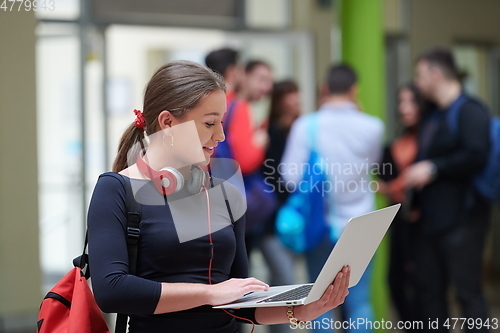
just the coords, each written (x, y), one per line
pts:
(139, 122)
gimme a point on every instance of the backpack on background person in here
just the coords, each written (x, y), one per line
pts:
(301, 221)
(487, 182)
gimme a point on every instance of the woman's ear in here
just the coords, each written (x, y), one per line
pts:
(164, 119)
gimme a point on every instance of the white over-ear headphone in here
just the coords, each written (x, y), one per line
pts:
(169, 180)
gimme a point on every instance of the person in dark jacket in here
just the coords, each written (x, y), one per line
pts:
(454, 217)
(399, 155)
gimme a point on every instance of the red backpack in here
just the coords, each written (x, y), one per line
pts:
(70, 307)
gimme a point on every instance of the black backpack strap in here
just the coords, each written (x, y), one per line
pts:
(133, 234)
(223, 193)
(133, 231)
(227, 203)
(83, 260)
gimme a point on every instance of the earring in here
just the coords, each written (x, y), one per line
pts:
(163, 141)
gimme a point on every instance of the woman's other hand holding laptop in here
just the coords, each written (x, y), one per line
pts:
(334, 295)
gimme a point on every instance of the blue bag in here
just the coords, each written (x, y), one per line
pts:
(487, 182)
(301, 222)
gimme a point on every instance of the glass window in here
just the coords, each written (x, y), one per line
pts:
(59, 148)
(57, 9)
(134, 53)
(474, 61)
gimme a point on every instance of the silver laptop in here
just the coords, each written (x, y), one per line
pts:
(356, 246)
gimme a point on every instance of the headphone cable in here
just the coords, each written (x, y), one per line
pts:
(212, 257)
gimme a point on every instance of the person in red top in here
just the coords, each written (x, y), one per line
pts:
(249, 142)
(243, 86)
(246, 143)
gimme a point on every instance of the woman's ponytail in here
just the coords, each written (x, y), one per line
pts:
(129, 139)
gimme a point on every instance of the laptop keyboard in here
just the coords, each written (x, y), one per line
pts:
(290, 295)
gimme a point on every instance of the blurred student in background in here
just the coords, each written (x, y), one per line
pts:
(349, 142)
(397, 157)
(225, 62)
(454, 217)
(284, 110)
(245, 142)
(256, 84)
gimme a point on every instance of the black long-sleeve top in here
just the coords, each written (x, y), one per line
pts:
(458, 158)
(173, 247)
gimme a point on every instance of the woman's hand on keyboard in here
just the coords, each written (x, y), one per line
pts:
(232, 289)
(334, 295)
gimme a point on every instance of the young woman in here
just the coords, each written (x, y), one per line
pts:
(400, 155)
(178, 279)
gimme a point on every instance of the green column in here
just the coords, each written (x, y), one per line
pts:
(363, 48)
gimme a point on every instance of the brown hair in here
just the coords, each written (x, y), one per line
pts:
(176, 87)
(280, 90)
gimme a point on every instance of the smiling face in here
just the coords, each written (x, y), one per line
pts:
(203, 121)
